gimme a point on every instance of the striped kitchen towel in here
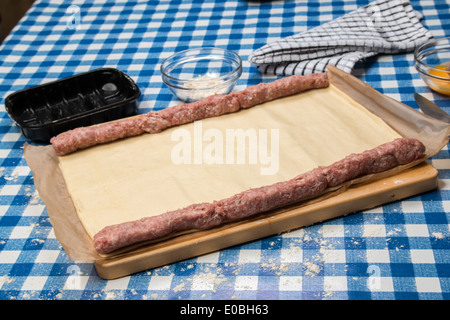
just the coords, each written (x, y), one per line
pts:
(381, 27)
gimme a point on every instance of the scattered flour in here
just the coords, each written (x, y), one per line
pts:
(110, 295)
(6, 279)
(394, 232)
(275, 266)
(311, 269)
(179, 287)
(438, 235)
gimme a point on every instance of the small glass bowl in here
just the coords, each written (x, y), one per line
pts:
(432, 61)
(195, 74)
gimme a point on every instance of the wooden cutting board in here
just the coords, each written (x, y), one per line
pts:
(413, 181)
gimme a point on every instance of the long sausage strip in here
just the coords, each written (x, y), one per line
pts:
(213, 106)
(253, 201)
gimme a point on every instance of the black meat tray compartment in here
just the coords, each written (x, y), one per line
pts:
(89, 98)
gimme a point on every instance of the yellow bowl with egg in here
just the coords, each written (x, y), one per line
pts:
(432, 61)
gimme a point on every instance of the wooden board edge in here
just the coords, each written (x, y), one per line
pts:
(416, 180)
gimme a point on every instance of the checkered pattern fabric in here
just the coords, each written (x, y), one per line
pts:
(379, 27)
(396, 251)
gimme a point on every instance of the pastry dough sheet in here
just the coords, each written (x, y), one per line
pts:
(137, 177)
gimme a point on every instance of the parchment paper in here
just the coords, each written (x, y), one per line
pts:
(69, 231)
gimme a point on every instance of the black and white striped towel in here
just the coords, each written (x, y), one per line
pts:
(381, 27)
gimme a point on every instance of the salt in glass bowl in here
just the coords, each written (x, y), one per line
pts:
(197, 73)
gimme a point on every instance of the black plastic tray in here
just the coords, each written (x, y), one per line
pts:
(85, 99)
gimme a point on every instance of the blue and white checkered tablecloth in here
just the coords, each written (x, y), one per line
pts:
(395, 251)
